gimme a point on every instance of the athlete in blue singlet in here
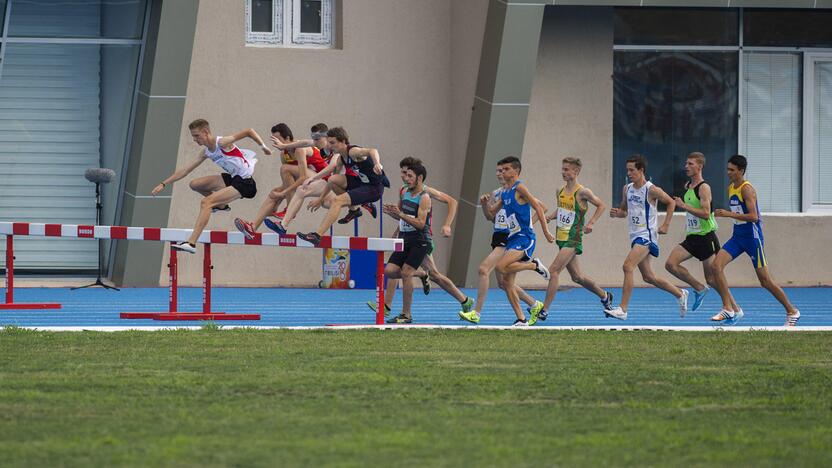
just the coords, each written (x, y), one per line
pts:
(747, 238)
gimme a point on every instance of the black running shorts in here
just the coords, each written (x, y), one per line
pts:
(246, 187)
(414, 253)
(499, 239)
(361, 193)
(701, 246)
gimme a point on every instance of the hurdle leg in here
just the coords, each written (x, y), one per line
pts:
(173, 279)
(9, 304)
(206, 279)
(380, 288)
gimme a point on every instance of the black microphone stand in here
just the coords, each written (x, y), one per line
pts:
(98, 281)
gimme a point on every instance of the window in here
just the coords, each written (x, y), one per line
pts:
(676, 26)
(289, 23)
(787, 28)
(669, 104)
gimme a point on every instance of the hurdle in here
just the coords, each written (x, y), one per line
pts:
(207, 238)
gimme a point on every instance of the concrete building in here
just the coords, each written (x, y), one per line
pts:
(460, 84)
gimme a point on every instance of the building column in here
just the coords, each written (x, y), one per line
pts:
(498, 122)
(156, 133)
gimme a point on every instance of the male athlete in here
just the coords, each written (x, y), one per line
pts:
(218, 190)
(639, 207)
(700, 227)
(747, 238)
(573, 199)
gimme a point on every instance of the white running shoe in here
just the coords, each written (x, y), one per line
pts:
(791, 320)
(184, 246)
(728, 317)
(616, 313)
(520, 323)
(683, 303)
(541, 269)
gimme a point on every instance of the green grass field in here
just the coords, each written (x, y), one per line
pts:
(414, 398)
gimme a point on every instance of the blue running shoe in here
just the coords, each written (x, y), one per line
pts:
(699, 297)
(275, 226)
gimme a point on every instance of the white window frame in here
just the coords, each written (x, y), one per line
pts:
(808, 202)
(286, 27)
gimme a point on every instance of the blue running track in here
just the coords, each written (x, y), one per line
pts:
(316, 307)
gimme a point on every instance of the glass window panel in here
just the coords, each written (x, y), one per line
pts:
(123, 19)
(823, 134)
(787, 28)
(676, 26)
(262, 12)
(2, 14)
(310, 16)
(771, 119)
(669, 104)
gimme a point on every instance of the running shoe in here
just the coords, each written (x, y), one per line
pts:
(401, 318)
(699, 298)
(791, 320)
(373, 305)
(520, 323)
(275, 226)
(351, 215)
(312, 237)
(607, 301)
(535, 313)
(683, 303)
(728, 317)
(616, 313)
(426, 283)
(541, 269)
(221, 208)
(184, 246)
(279, 214)
(245, 227)
(371, 208)
(471, 316)
(468, 304)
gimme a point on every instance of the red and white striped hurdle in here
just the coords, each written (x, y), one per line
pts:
(376, 244)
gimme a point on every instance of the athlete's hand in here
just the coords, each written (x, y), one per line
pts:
(485, 198)
(720, 213)
(587, 228)
(446, 231)
(391, 209)
(307, 181)
(278, 144)
(314, 204)
(663, 229)
(266, 150)
(549, 237)
(157, 189)
(615, 213)
(378, 168)
(679, 202)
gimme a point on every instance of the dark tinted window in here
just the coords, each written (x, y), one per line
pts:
(789, 28)
(669, 104)
(676, 26)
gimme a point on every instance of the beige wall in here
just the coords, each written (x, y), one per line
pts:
(402, 82)
(571, 114)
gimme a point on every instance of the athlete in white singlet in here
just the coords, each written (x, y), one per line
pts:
(219, 190)
(639, 207)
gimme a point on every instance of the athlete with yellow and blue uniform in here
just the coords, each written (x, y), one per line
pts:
(747, 238)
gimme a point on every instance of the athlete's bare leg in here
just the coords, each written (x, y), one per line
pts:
(443, 281)
(766, 281)
(722, 260)
(219, 198)
(634, 258)
(574, 269)
(674, 265)
(564, 256)
(313, 189)
(650, 278)
(504, 266)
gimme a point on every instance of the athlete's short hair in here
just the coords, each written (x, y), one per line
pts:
(409, 161)
(319, 128)
(573, 161)
(199, 124)
(698, 157)
(284, 131)
(512, 161)
(639, 160)
(740, 161)
(339, 134)
(415, 165)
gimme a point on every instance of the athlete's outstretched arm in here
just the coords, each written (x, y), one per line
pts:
(180, 173)
(599, 208)
(372, 153)
(538, 209)
(453, 205)
(293, 145)
(658, 194)
(621, 211)
(247, 133)
(333, 165)
(704, 199)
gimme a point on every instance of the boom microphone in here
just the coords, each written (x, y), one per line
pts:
(100, 175)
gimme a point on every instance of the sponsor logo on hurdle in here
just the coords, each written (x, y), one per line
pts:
(86, 231)
(287, 241)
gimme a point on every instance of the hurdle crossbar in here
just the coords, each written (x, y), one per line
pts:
(376, 244)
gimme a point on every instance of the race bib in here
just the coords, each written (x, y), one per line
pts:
(513, 225)
(692, 223)
(738, 210)
(565, 218)
(500, 221)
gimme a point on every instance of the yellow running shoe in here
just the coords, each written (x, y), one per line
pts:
(471, 316)
(534, 312)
